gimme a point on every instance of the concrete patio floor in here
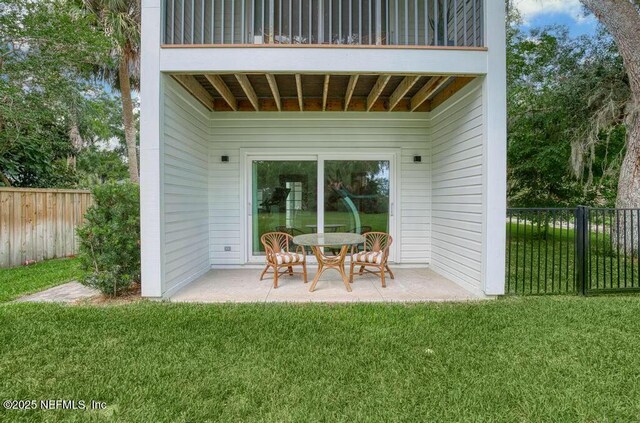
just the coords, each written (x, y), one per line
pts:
(243, 286)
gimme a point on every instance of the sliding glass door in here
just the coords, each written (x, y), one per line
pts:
(310, 194)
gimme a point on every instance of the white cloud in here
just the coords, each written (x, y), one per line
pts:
(529, 9)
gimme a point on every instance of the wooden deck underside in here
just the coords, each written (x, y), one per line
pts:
(313, 92)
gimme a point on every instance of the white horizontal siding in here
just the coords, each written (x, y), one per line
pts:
(457, 188)
(185, 187)
(333, 133)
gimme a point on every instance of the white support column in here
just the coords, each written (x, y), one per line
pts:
(495, 149)
(151, 152)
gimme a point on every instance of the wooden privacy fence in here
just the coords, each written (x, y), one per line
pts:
(38, 224)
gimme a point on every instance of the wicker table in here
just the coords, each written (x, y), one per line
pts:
(338, 240)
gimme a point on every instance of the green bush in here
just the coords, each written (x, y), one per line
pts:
(110, 239)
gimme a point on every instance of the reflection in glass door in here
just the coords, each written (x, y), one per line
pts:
(356, 196)
(284, 198)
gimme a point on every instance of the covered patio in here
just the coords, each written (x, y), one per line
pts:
(244, 286)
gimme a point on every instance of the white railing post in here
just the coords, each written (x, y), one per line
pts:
(271, 33)
(320, 21)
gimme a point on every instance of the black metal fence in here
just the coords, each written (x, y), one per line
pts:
(572, 250)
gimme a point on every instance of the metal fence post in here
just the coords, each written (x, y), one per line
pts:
(581, 236)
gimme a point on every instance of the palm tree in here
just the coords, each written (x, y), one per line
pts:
(120, 20)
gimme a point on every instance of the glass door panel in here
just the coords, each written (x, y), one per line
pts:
(356, 196)
(284, 198)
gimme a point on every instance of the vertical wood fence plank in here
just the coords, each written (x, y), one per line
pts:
(49, 225)
(77, 208)
(57, 225)
(68, 222)
(5, 229)
(40, 204)
(16, 241)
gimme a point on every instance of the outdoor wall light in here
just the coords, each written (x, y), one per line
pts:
(224, 159)
(417, 159)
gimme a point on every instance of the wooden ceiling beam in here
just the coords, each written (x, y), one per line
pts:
(299, 90)
(192, 85)
(377, 89)
(454, 87)
(274, 90)
(222, 88)
(407, 83)
(353, 81)
(432, 85)
(248, 90)
(325, 92)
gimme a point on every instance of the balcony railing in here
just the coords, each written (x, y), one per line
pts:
(441, 23)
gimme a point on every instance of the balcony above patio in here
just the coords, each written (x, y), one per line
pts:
(440, 24)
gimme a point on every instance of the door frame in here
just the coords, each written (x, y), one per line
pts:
(391, 155)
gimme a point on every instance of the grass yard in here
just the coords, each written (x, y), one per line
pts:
(518, 359)
(19, 281)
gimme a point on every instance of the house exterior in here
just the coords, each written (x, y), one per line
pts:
(322, 116)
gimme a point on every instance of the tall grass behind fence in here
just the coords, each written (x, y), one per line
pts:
(38, 224)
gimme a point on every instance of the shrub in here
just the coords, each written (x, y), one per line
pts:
(110, 239)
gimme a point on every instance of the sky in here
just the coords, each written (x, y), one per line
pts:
(536, 13)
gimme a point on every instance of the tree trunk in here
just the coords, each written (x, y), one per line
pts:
(76, 143)
(629, 182)
(622, 20)
(5, 180)
(127, 117)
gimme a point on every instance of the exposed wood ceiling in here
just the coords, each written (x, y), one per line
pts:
(319, 92)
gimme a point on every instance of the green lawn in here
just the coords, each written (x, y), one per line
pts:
(23, 280)
(513, 360)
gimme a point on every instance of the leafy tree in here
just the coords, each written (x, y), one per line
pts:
(46, 55)
(120, 20)
(622, 20)
(98, 166)
(558, 88)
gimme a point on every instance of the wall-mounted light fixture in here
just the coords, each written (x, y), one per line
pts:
(224, 159)
(417, 159)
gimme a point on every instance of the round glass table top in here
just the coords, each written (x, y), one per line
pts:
(329, 240)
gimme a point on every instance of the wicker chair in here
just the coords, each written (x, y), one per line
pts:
(375, 254)
(290, 231)
(276, 245)
(361, 230)
(293, 232)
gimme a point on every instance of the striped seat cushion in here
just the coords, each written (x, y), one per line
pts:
(374, 257)
(285, 258)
